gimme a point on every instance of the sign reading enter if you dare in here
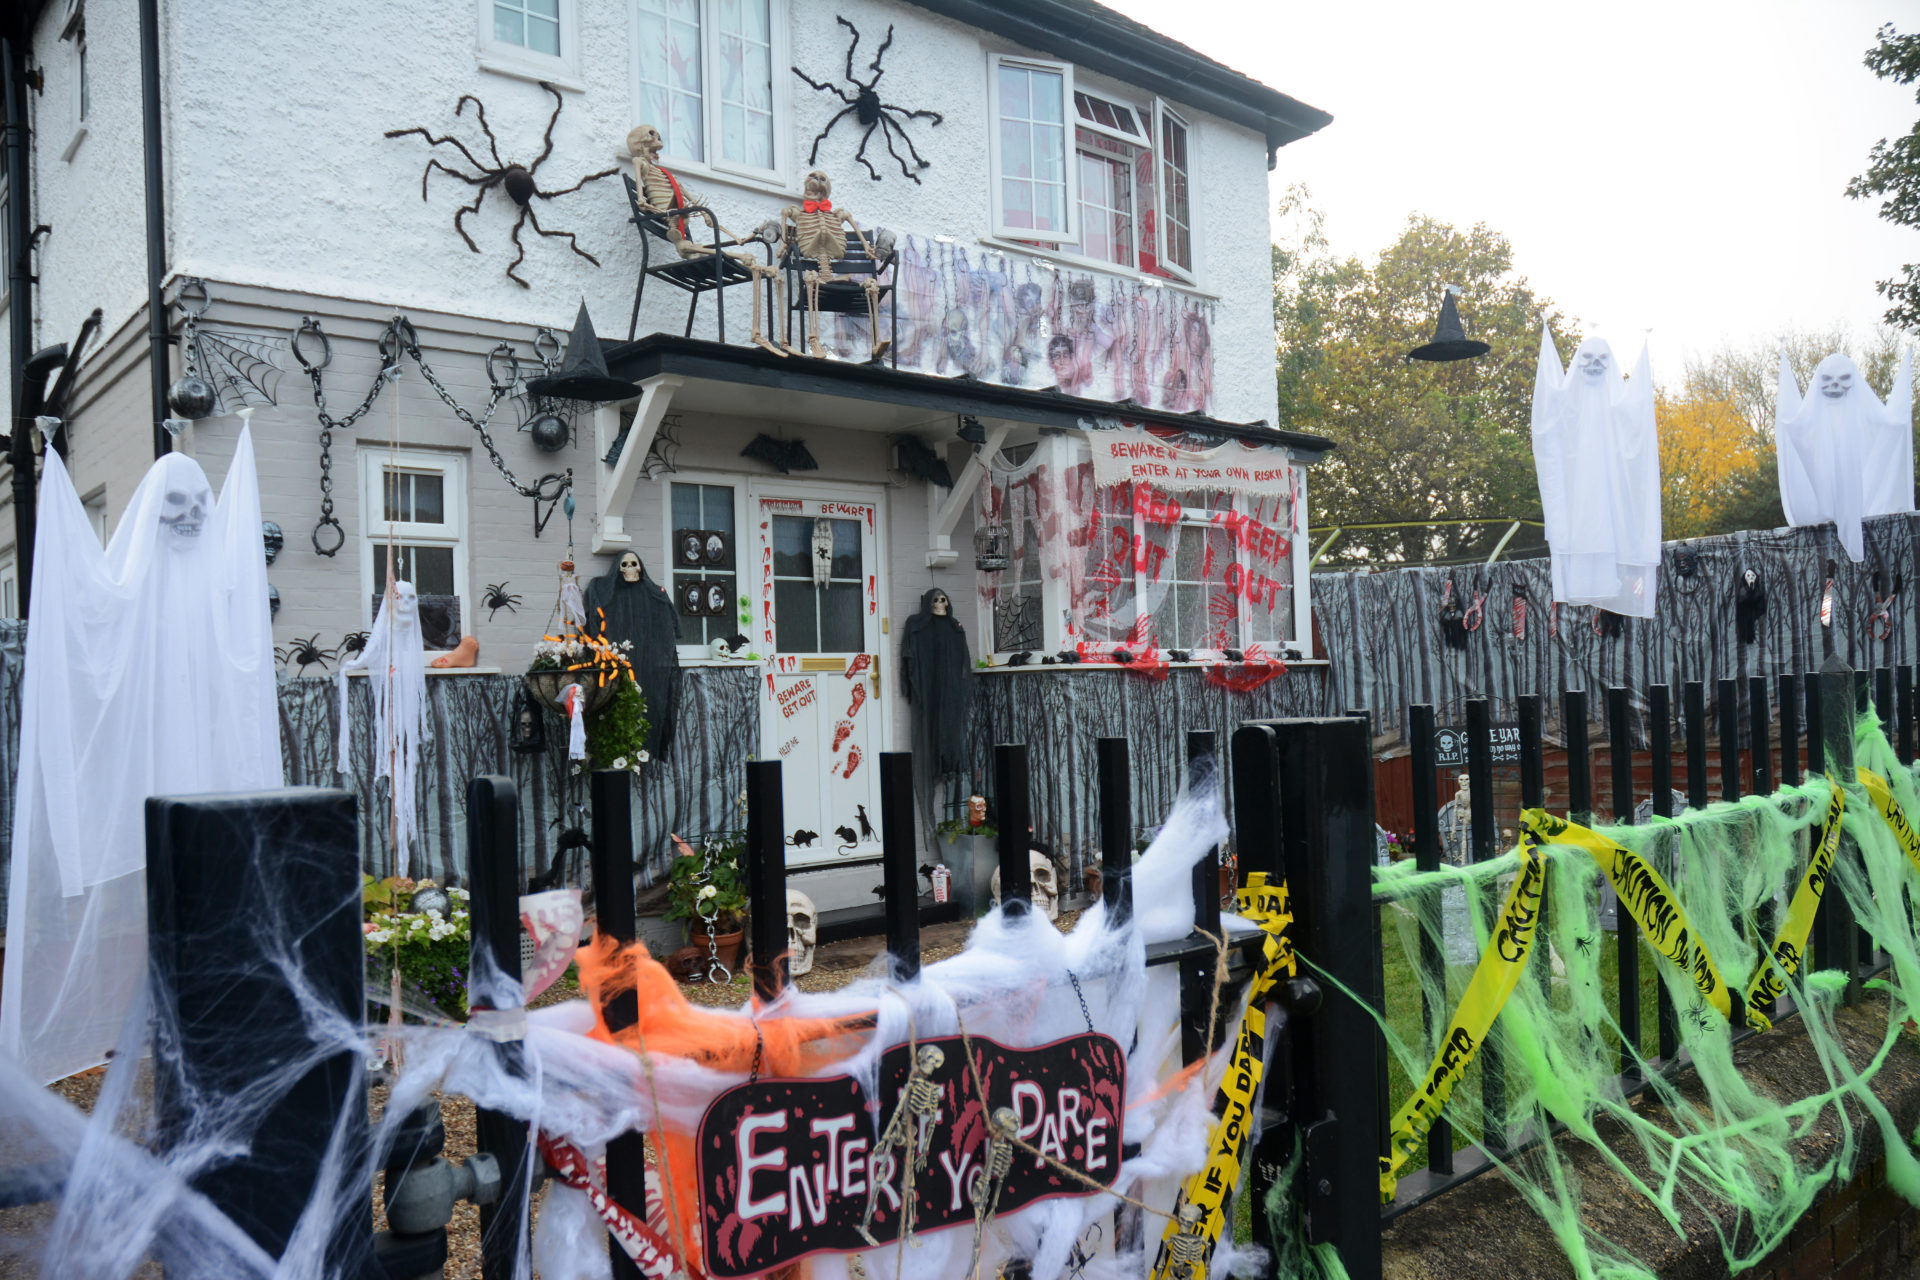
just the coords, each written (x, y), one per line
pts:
(785, 1165)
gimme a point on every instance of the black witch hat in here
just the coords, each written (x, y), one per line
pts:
(1450, 340)
(583, 374)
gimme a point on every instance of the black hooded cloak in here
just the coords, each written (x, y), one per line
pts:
(642, 613)
(934, 668)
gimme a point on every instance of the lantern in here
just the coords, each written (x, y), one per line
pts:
(529, 731)
(991, 543)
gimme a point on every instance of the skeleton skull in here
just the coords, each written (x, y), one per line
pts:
(1835, 386)
(929, 1059)
(183, 515)
(644, 143)
(1593, 364)
(629, 566)
(406, 603)
(1046, 884)
(803, 932)
(940, 604)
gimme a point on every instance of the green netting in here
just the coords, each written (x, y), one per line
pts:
(1710, 1149)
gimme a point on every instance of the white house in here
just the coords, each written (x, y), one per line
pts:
(1079, 309)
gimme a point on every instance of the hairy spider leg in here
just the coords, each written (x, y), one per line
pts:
(526, 216)
(546, 148)
(464, 210)
(873, 66)
(566, 191)
(814, 155)
(861, 154)
(480, 113)
(451, 141)
(892, 126)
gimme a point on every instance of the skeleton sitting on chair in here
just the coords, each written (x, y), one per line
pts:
(662, 193)
(816, 231)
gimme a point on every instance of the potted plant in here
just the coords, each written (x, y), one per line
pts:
(596, 665)
(973, 854)
(617, 732)
(707, 885)
(422, 930)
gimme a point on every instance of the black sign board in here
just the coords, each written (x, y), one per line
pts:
(785, 1164)
(1450, 746)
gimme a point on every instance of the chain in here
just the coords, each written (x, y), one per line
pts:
(547, 487)
(1083, 998)
(709, 911)
(389, 370)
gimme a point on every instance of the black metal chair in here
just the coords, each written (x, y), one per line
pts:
(710, 273)
(845, 296)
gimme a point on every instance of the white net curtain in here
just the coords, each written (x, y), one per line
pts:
(1132, 565)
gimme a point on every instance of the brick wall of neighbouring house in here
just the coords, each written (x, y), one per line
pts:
(1860, 1229)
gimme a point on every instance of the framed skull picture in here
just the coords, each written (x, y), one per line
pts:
(690, 547)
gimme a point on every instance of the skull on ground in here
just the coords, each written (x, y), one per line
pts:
(1046, 884)
(803, 933)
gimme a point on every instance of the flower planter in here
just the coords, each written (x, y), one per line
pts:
(546, 686)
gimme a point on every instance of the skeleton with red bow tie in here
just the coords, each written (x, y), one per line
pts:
(816, 231)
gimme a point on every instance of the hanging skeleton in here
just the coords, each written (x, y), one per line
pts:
(661, 192)
(909, 1132)
(816, 231)
(822, 551)
(994, 1167)
(1187, 1251)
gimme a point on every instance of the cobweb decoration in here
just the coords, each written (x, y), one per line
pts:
(244, 370)
(664, 449)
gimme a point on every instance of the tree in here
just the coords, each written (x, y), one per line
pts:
(1893, 171)
(1417, 442)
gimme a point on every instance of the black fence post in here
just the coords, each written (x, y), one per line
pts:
(1726, 713)
(1903, 712)
(216, 865)
(1626, 931)
(1196, 972)
(767, 878)
(1481, 848)
(1660, 747)
(1694, 694)
(1835, 937)
(1324, 785)
(493, 875)
(1115, 772)
(611, 794)
(1433, 956)
(1787, 689)
(898, 859)
(1010, 790)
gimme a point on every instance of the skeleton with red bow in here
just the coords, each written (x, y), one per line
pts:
(816, 231)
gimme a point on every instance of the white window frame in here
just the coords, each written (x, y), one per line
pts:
(714, 164)
(74, 33)
(9, 586)
(375, 528)
(561, 71)
(1163, 111)
(699, 654)
(1069, 116)
(95, 505)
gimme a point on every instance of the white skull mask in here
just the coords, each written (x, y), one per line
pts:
(1835, 385)
(406, 604)
(630, 567)
(941, 604)
(803, 933)
(183, 514)
(1593, 364)
(1046, 884)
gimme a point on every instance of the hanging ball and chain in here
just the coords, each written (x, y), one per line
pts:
(550, 432)
(191, 397)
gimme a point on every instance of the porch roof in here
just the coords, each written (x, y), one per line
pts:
(724, 378)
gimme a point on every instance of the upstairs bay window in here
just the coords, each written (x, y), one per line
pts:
(704, 72)
(1078, 171)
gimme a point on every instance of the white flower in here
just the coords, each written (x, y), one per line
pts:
(620, 762)
(643, 756)
(709, 892)
(461, 894)
(380, 935)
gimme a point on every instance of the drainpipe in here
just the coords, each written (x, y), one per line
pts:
(19, 214)
(157, 358)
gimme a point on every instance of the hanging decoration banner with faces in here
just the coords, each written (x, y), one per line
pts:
(785, 1165)
(1123, 454)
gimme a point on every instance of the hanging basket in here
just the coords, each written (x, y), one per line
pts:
(546, 686)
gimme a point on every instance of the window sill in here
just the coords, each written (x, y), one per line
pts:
(557, 73)
(700, 171)
(1066, 258)
(73, 143)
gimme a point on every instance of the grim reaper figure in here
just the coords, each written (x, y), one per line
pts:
(149, 671)
(632, 609)
(1844, 455)
(934, 667)
(1598, 459)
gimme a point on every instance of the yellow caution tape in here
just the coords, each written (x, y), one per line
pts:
(1790, 943)
(1896, 818)
(1494, 979)
(1266, 906)
(1647, 897)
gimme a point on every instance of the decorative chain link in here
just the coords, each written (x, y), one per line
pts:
(546, 487)
(1083, 998)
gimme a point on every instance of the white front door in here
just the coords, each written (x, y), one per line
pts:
(822, 712)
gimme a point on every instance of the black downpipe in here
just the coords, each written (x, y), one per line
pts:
(157, 358)
(19, 213)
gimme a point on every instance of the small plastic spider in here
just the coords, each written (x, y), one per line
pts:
(497, 597)
(516, 180)
(1583, 943)
(304, 654)
(865, 106)
(352, 643)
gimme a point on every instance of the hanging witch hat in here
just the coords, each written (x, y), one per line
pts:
(583, 373)
(1450, 340)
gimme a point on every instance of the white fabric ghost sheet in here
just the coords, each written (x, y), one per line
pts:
(1597, 454)
(395, 660)
(1844, 455)
(149, 671)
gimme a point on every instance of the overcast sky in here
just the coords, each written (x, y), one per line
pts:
(1676, 165)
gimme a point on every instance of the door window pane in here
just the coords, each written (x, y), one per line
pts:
(708, 507)
(810, 618)
(796, 614)
(840, 622)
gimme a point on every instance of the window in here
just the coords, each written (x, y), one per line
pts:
(811, 617)
(1033, 184)
(416, 500)
(703, 546)
(9, 588)
(80, 72)
(79, 90)
(704, 73)
(536, 39)
(1176, 168)
(95, 505)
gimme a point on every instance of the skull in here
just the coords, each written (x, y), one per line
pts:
(1046, 884)
(976, 811)
(940, 604)
(183, 514)
(929, 1059)
(1593, 364)
(644, 143)
(629, 567)
(1836, 386)
(1189, 1218)
(1007, 1121)
(818, 186)
(803, 932)
(406, 604)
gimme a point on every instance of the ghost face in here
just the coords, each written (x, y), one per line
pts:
(629, 567)
(1834, 384)
(183, 515)
(1593, 364)
(406, 604)
(940, 604)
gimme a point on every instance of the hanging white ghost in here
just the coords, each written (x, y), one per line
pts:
(1597, 455)
(395, 660)
(149, 671)
(1844, 455)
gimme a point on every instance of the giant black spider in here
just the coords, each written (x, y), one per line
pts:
(304, 654)
(497, 598)
(515, 179)
(865, 106)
